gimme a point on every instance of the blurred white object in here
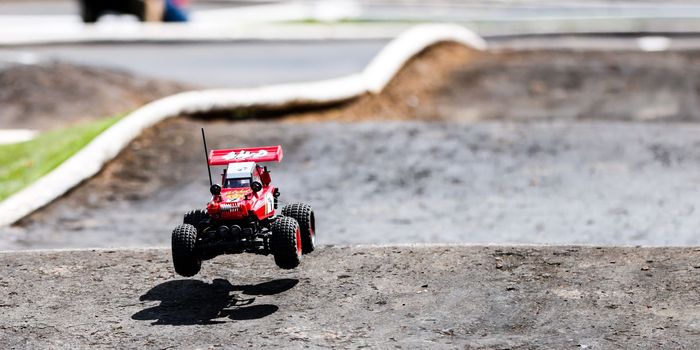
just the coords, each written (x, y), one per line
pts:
(10, 136)
(653, 43)
(335, 10)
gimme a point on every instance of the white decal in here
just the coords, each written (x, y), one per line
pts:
(269, 203)
(244, 155)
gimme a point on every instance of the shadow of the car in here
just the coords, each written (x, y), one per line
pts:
(190, 302)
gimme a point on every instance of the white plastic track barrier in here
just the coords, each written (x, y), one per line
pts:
(9, 136)
(90, 160)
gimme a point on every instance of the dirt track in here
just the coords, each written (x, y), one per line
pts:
(420, 297)
(580, 183)
(563, 174)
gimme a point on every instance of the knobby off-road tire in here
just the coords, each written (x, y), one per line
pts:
(304, 215)
(185, 259)
(286, 242)
(195, 217)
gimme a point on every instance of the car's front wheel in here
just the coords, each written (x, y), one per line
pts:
(285, 242)
(185, 259)
(304, 215)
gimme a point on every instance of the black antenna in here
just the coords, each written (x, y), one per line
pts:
(206, 156)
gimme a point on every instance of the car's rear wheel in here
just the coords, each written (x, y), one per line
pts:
(185, 259)
(196, 218)
(285, 242)
(304, 215)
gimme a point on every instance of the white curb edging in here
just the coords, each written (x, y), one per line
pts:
(395, 54)
(10, 136)
(90, 160)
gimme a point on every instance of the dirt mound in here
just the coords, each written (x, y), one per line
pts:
(393, 297)
(572, 85)
(409, 95)
(52, 95)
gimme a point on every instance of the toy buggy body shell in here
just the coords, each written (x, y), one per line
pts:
(237, 200)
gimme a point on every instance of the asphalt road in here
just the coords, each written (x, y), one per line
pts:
(352, 297)
(240, 64)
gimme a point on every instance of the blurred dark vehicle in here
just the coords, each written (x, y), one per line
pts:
(144, 10)
(91, 10)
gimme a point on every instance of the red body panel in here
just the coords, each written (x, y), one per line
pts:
(238, 203)
(253, 154)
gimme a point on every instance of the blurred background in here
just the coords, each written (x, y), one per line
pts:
(263, 42)
(339, 36)
(578, 125)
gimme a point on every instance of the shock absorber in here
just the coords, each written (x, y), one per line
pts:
(276, 195)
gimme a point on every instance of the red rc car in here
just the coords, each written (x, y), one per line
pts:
(242, 216)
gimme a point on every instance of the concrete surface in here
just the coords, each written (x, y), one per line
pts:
(604, 42)
(215, 64)
(436, 297)
(346, 19)
(402, 10)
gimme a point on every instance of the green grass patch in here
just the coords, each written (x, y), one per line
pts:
(23, 163)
